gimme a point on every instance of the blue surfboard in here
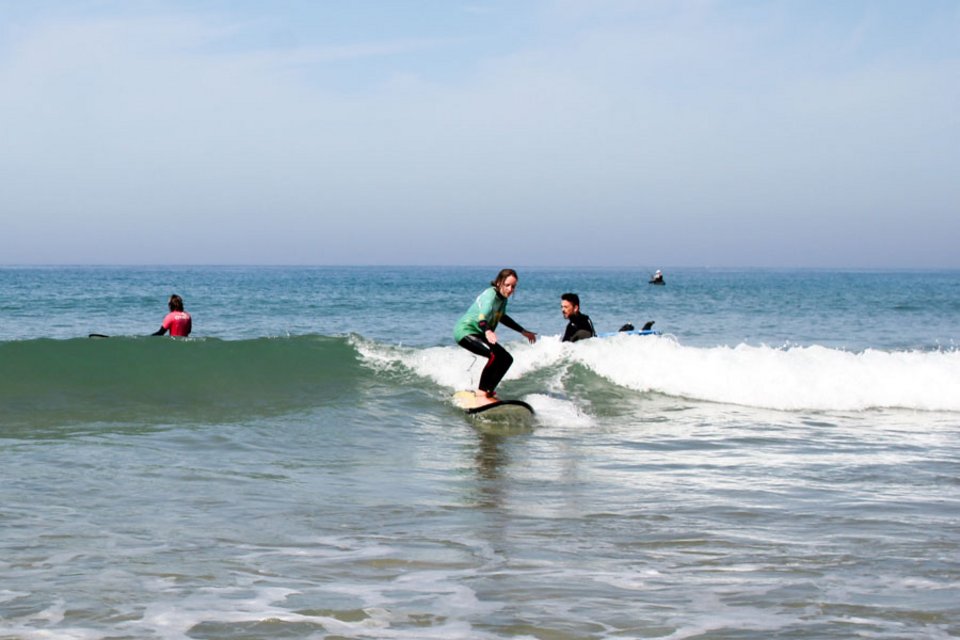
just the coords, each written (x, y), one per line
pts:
(633, 332)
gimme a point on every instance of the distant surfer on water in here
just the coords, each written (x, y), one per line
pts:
(475, 332)
(177, 322)
(579, 325)
(657, 278)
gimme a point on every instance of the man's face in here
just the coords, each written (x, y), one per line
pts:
(568, 308)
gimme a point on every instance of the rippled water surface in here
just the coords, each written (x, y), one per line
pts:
(319, 483)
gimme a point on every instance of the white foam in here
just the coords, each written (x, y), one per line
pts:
(454, 367)
(558, 412)
(787, 378)
(782, 378)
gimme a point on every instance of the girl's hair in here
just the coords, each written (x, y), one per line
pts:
(176, 303)
(503, 275)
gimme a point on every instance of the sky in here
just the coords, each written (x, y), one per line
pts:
(796, 133)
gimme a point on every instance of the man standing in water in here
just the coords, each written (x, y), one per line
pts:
(579, 326)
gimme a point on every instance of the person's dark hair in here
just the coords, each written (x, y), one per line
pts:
(503, 275)
(176, 303)
(572, 298)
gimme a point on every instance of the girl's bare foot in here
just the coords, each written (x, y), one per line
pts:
(484, 397)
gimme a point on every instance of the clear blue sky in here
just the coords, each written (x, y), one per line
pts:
(797, 133)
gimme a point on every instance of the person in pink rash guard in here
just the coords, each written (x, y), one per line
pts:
(178, 321)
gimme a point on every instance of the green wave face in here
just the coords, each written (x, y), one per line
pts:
(48, 382)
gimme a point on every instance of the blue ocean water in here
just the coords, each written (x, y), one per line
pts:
(783, 461)
(854, 310)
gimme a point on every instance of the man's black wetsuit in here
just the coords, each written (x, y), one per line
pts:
(578, 328)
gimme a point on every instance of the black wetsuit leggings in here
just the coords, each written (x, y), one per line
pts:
(498, 360)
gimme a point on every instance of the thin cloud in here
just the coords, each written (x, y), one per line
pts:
(730, 136)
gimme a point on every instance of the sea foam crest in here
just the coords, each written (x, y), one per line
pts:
(784, 378)
(788, 378)
(454, 369)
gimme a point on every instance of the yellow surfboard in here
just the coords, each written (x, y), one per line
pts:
(467, 400)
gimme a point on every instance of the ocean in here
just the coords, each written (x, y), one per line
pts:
(783, 461)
